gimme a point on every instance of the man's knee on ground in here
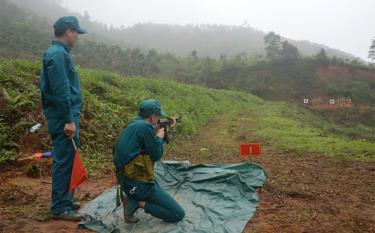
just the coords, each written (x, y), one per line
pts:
(178, 215)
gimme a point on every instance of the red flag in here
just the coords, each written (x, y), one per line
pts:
(78, 172)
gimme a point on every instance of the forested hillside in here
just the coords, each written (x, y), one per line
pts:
(281, 73)
(206, 40)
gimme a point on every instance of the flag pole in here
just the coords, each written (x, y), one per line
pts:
(74, 144)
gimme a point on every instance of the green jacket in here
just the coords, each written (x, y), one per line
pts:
(138, 138)
(59, 84)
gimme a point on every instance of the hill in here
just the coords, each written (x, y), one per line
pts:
(110, 101)
(208, 40)
(289, 77)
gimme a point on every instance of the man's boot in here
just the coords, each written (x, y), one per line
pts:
(69, 215)
(130, 206)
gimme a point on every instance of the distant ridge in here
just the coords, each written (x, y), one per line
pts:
(207, 40)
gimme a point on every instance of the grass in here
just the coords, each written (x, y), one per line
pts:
(291, 128)
(110, 102)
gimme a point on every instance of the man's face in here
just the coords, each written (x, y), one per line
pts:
(154, 119)
(71, 37)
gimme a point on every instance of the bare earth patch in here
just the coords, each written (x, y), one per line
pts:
(25, 200)
(304, 193)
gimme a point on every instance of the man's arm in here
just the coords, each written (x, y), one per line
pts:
(59, 83)
(153, 143)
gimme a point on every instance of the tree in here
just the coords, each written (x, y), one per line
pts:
(194, 54)
(355, 62)
(272, 42)
(371, 53)
(289, 52)
(322, 56)
(361, 92)
(86, 16)
(152, 59)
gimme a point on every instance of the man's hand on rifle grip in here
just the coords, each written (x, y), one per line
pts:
(160, 133)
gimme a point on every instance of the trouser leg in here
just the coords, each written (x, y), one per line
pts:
(63, 157)
(162, 205)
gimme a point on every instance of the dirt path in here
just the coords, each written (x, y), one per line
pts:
(304, 193)
(24, 200)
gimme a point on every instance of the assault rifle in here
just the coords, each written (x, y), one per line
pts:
(165, 123)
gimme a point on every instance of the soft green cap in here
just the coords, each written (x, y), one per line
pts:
(66, 22)
(150, 106)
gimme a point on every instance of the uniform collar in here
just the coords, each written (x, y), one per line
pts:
(65, 46)
(139, 118)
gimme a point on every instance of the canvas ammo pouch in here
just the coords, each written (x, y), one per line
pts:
(140, 168)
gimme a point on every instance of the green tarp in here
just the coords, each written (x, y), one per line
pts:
(216, 198)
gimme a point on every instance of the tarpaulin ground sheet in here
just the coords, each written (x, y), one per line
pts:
(215, 197)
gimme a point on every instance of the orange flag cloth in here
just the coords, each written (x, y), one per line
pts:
(78, 171)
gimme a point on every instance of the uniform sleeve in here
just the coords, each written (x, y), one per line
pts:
(153, 144)
(59, 83)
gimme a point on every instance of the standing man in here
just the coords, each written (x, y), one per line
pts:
(61, 102)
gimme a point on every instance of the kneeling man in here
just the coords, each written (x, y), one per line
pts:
(137, 149)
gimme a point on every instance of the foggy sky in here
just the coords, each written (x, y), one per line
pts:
(348, 25)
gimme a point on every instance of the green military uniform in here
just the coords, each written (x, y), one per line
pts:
(61, 102)
(136, 151)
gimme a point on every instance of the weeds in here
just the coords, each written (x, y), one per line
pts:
(110, 103)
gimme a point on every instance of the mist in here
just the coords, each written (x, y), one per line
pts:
(346, 25)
